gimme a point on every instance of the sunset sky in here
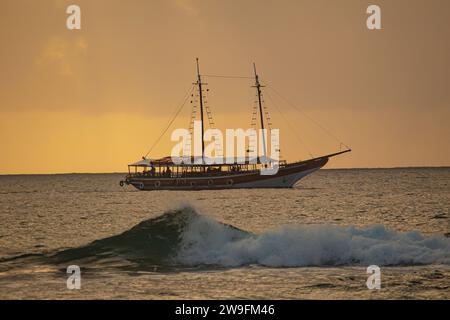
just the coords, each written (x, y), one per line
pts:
(95, 99)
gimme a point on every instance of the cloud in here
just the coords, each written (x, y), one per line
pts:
(187, 6)
(61, 55)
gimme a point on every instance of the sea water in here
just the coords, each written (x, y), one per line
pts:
(313, 241)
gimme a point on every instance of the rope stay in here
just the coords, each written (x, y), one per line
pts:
(185, 99)
(327, 131)
(303, 144)
(226, 76)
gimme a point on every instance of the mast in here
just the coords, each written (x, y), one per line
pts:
(258, 87)
(199, 83)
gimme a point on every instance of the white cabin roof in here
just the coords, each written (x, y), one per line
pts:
(197, 160)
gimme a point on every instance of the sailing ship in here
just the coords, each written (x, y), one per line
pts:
(171, 173)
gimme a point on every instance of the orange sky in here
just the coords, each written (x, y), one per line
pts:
(94, 100)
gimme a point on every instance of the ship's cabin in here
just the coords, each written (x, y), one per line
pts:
(167, 168)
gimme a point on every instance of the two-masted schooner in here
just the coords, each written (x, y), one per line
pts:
(197, 174)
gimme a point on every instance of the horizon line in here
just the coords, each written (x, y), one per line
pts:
(124, 172)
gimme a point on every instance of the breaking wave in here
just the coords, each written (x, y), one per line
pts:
(183, 238)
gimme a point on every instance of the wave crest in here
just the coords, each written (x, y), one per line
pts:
(184, 238)
(314, 245)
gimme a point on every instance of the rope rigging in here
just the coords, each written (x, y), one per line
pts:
(225, 76)
(265, 113)
(303, 144)
(185, 99)
(310, 118)
(194, 115)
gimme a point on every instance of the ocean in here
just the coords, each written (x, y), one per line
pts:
(314, 241)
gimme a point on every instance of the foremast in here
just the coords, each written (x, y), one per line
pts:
(258, 87)
(200, 91)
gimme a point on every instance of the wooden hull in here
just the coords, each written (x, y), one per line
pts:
(286, 177)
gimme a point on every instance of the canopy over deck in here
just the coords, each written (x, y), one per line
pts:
(199, 161)
(141, 163)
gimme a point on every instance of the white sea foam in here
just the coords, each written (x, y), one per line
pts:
(205, 241)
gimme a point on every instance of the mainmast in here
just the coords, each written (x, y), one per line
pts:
(199, 83)
(258, 87)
